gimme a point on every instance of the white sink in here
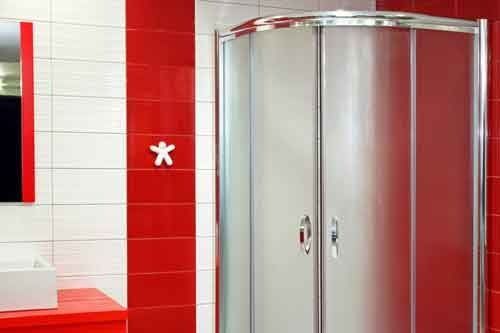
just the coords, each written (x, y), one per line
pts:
(27, 283)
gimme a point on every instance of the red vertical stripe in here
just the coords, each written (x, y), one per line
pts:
(161, 201)
(27, 117)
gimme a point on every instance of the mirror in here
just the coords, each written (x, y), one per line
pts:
(17, 163)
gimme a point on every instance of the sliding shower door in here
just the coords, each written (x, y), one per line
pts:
(283, 164)
(351, 175)
(367, 180)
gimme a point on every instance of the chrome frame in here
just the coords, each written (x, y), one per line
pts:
(370, 19)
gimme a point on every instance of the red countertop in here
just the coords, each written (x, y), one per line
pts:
(77, 308)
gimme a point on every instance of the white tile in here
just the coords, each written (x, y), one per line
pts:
(212, 15)
(205, 152)
(84, 222)
(205, 287)
(88, 43)
(272, 11)
(43, 150)
(205, 185)
(114, 286)
(205, 118)
(43, 187)
(347, 4)
(41, 39)
(25, 223)
(89, 150)
(25, 9)
(205, 51)
(81, 78)
(13, 249)
(96, 12)
(86, 114)
(90, 257)
(205, 318)
(43, 77)
(205, 85)
(43, 113)
(205, 253)
(205, 220)
(89, 186)
(292, 4)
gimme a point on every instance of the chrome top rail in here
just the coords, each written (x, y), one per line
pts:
(351, 18)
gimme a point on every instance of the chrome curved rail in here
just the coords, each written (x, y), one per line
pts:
(351, 18)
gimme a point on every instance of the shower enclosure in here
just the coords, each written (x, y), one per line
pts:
(351, 174)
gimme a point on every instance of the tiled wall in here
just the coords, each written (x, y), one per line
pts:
(209, 15)
(161, 200)
(79, 219)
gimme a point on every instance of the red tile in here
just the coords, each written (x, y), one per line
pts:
(494, 271)
(161, 15)
(494, 40)
(166, 289)
(177, 84)
(152, 82)
(160, 320)
(493, 310)
(161, 186)
(151, 117)
(437, 7)
(494, 196)
(494, 157)
(494, 233)
(161, 255)
(141, 157)
(494, 119)
(395, 5)
(150, 221)
(143, 82)
(160, 48)
(495, 80)
(474, 9)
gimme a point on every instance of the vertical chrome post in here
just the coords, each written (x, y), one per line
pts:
(413, 178)
(320, 234)
(482, 133)
(219, 135)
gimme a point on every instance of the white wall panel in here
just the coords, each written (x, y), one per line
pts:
(91, 12)
(88, 39)
(82, 42)
(89, 114)
(72, 186)
(94, 79)
(94, 257)
(89, 150)
(84, 222)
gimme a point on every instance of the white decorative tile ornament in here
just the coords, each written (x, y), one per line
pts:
(162, 151)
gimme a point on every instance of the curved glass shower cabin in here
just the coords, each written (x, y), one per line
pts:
(351, 175)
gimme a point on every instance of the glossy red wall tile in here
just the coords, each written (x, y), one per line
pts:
(171, 49)
(162, 289)
(161, 220)
(161, 255)
(436, 7)
(161, 15)
(161, 186)
(155, 117)
(161, 201)
(177, 319)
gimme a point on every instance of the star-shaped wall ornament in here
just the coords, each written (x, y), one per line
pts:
(162, 151)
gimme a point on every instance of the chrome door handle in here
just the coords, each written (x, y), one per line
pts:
(334, 237)
(305, 234)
